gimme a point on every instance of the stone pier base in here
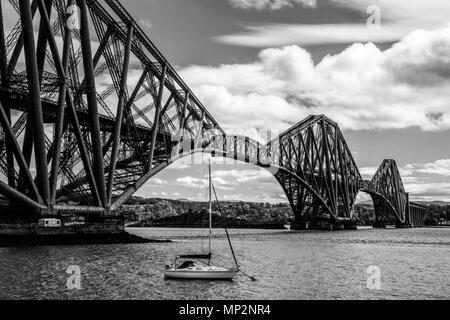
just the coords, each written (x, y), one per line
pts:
(379, 225)
(326, 225)
(402, 225)
(302, 225)
(350, 225)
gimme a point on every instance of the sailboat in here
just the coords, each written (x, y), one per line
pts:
(194, 267)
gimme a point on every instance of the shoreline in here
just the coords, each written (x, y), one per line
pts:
(7, 241)
(193, 226)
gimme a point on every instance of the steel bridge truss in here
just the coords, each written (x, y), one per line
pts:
(390, 199)
(90, 110)
(99, 106)
(320, 176)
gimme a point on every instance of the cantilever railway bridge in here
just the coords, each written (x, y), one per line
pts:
(77, 138)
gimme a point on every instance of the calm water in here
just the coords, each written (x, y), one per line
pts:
(414, 264)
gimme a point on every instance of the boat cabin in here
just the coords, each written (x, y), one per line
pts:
(186, 264)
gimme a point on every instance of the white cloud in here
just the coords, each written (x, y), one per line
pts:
(279, 34)
(439, 167)
(232, 197)
(158, 181)
(155, 182)
(429, 191)
(368, 172)
(360, 88)
(243, 176)
(270, 4)
(179, 166)
(197, 183)
(261, 198)
(398, 18)
(146, 22)
(191, 182)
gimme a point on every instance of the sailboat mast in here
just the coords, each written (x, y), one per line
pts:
(210, 206)
(226, 230)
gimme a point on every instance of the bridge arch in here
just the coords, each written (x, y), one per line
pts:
(277, 172)
(385, 213)
(388, 194)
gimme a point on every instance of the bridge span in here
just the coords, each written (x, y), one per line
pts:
(90, 110)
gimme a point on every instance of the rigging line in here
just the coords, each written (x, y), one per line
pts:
(199, 211)
(226, 231)
(205, 199)
(228, 237)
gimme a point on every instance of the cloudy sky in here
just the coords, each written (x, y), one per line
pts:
(270, 63)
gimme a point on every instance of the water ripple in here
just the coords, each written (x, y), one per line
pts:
(288, 265)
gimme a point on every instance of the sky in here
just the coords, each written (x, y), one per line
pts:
(379, 68)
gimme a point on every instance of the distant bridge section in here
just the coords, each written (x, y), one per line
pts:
(390, 199)
(415, 214)
(312, 163)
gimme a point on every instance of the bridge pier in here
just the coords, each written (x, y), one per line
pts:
(75, 221)
(350, 225)
(379, 224)
(300, 225)
(323, 224)
(338, 225)
(417, 214)
(398, 225)
(316, 224)
(402, 225)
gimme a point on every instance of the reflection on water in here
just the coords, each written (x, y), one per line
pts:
(288, 265)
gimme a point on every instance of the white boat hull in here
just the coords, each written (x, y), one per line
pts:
(190, 270)
(200, 275)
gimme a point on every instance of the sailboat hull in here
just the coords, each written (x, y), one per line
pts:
(200, 274)
(190, 270)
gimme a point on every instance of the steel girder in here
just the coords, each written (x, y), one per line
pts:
(388, 193)
(316, 153)
(99, 112)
